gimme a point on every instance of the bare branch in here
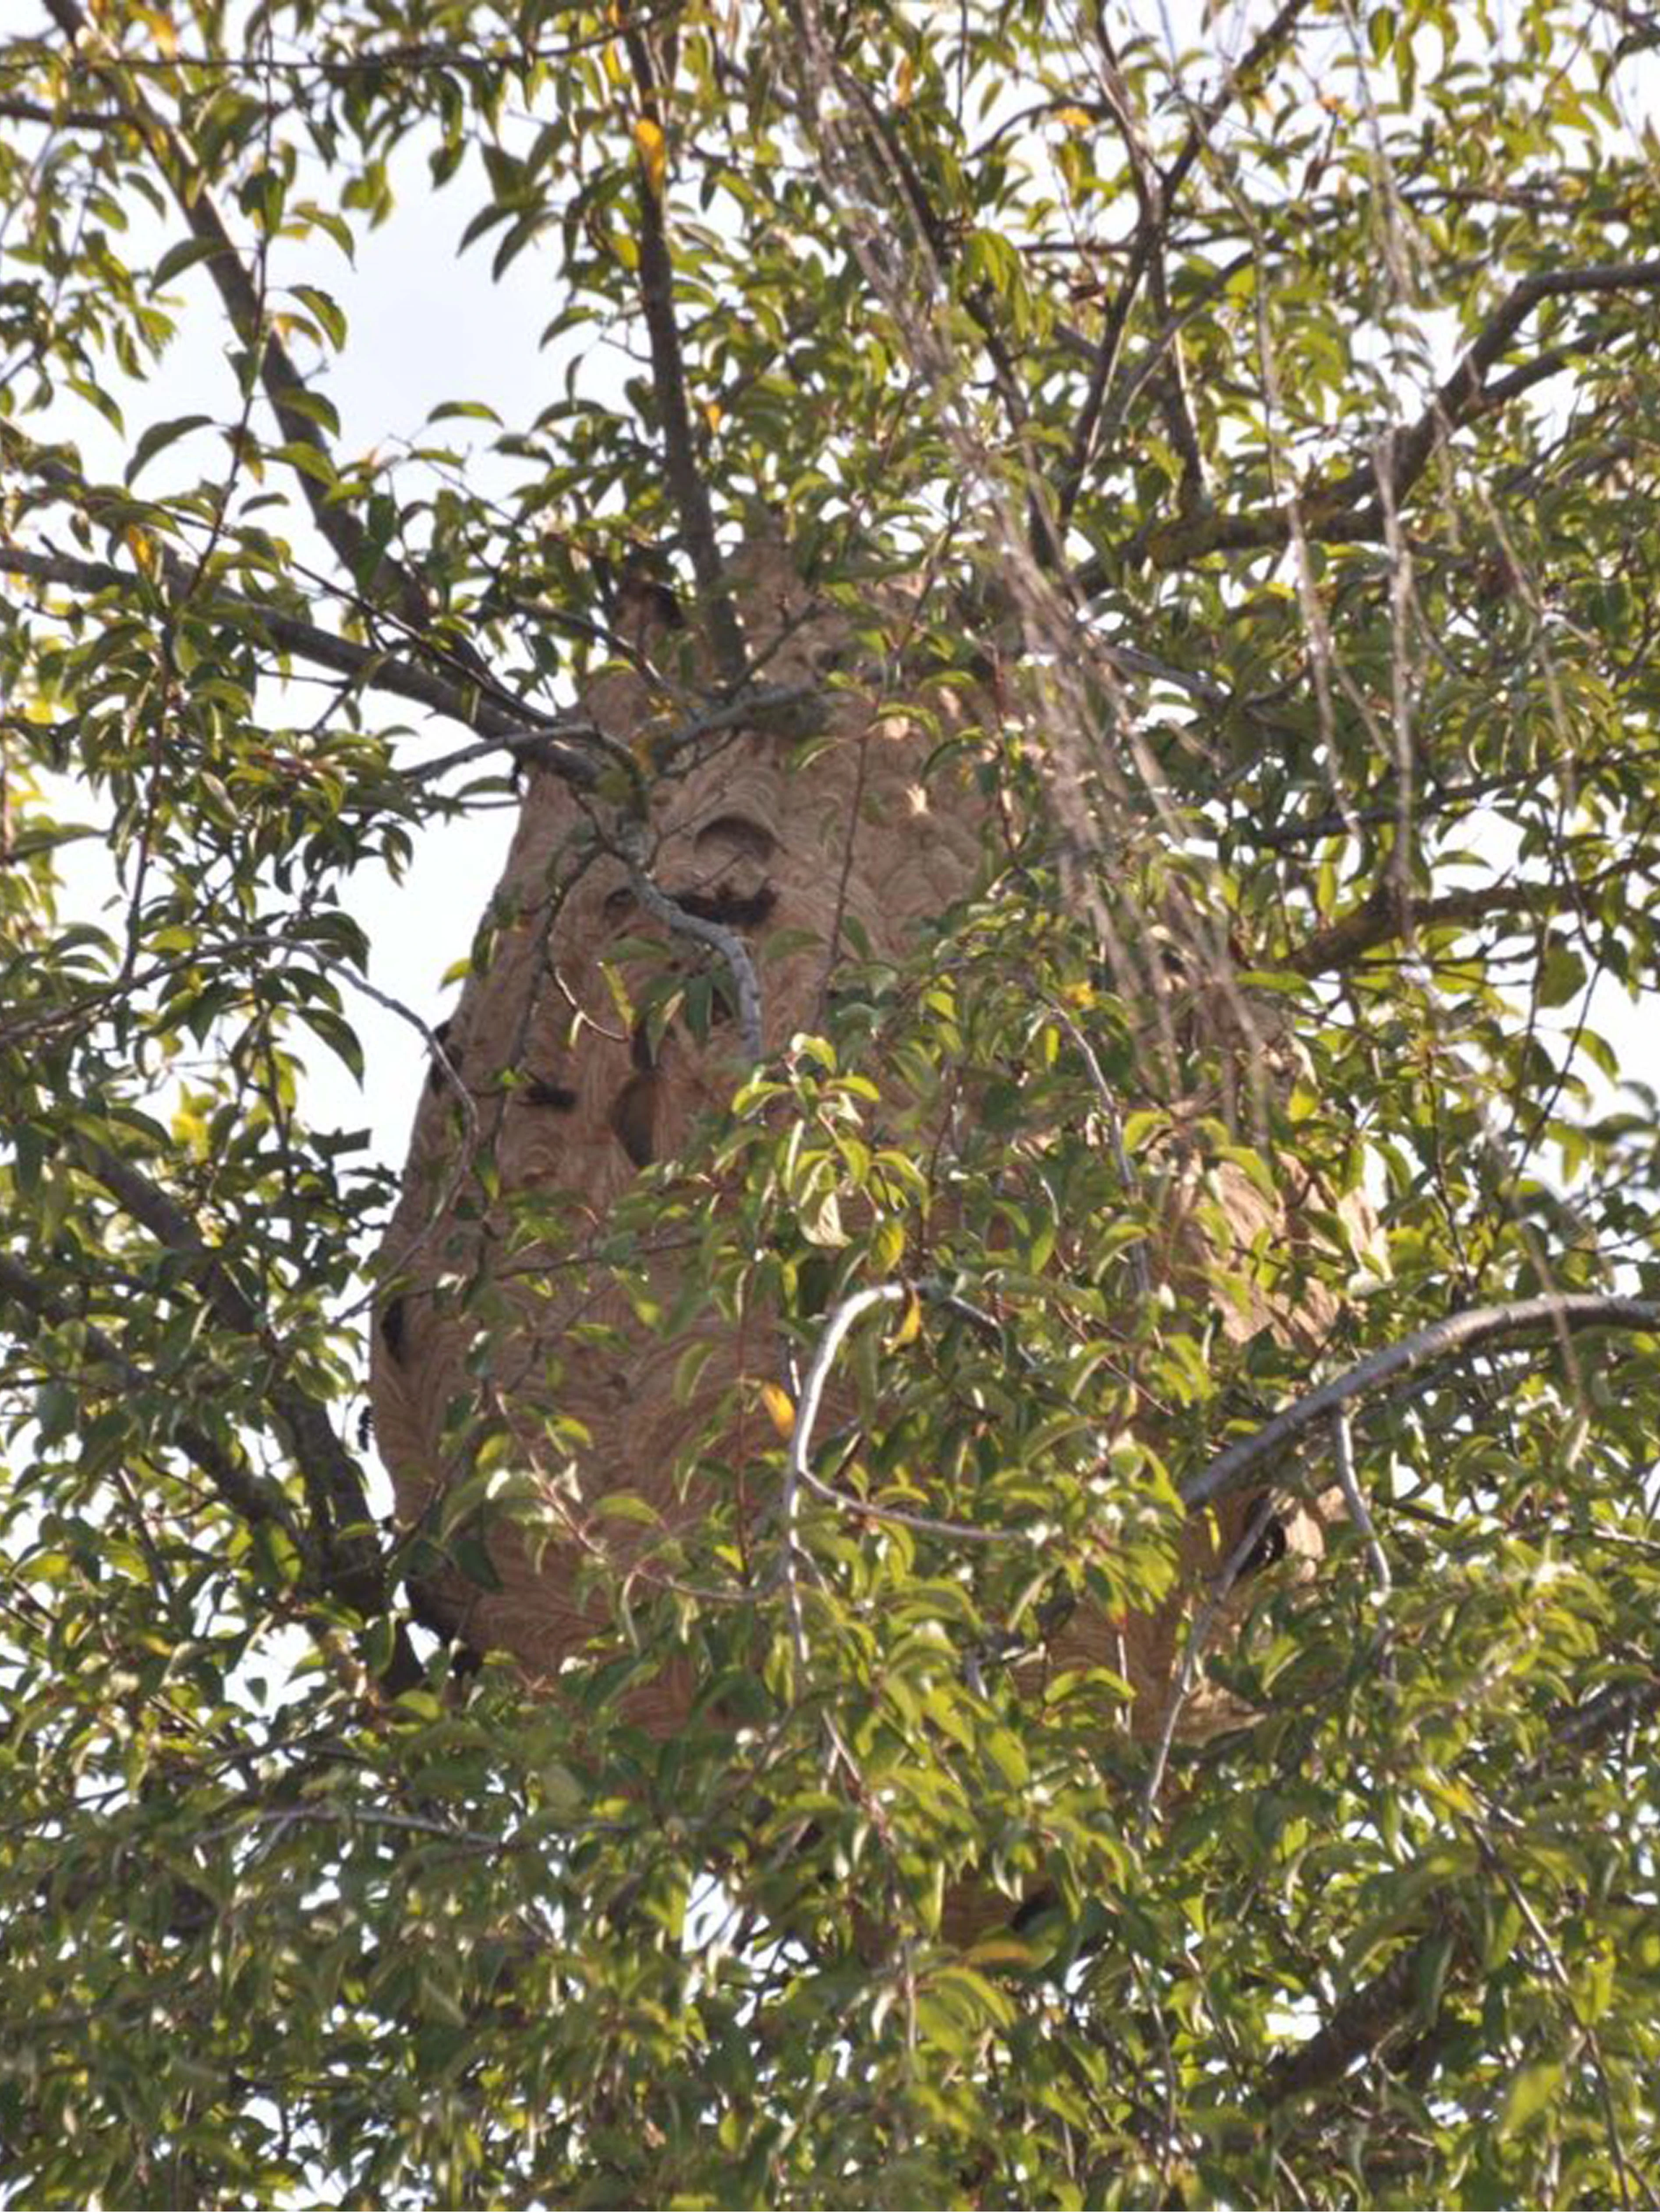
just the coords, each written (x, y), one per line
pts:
(1113, 1123)
(64, 118)
(1200, 1630)
(755, 705)
(1342, 1460)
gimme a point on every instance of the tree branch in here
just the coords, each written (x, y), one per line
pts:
(1366, 2018)
(1462, 394)
(332, 1478)
(253, 1500)
(1175, 400)
(714, 935)
(1458, 1334)
(510, 725)
(978, 301)
(66, 118)
(1354, 2031)
(1381, 917)
(1082, 446)
(1329, 512)
(668, 377)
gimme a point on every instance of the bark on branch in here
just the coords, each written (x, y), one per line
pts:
(1353, 508)
(1383, 916)
(1355, 2030)
(1465, 391)
(1149, 237)
(668, 376)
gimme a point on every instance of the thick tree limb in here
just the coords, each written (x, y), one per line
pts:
(1354, 2031)
(1383, 917)
(1459, 1333)
(1380, 919)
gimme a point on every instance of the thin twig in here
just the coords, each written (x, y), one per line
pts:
(1342, 1460)
(1193, 1653)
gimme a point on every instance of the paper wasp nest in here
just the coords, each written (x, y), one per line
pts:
(567, 1105)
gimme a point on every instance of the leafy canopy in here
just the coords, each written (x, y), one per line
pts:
(1260, 412)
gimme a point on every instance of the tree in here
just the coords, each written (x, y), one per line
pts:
(1249, 433)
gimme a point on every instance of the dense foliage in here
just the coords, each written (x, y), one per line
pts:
(1257, 418)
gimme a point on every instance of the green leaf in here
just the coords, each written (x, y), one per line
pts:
(183, 254)
(160, 436)
(326, 311)
(1532, 2089)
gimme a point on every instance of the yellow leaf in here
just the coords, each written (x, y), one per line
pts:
(142, 546)
(909, 1323)
(1075, 119)
(905, 83)
(161, 28)
(653, 151)
(781, 1409)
